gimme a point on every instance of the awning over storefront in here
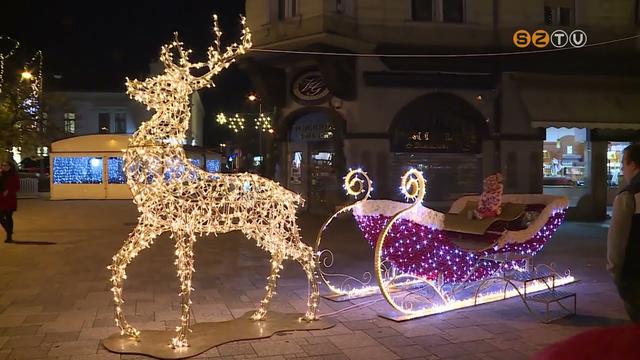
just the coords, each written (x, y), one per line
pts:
(576, 101)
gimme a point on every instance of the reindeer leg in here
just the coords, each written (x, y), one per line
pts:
(184, 262)
(308, 262)
(276, 266)
(140, 238)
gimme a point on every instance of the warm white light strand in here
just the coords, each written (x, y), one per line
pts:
(174, 196)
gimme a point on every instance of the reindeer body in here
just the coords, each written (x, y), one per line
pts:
(174, 196)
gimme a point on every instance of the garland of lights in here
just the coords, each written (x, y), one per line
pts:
(413, 250)
(174, 196)
(3, 57)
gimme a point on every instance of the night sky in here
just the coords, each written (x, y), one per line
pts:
(94, 45)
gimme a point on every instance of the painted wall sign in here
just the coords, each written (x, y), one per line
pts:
(310, 87)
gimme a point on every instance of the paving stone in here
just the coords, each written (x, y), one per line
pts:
(61, 337)
(395, 341)
(102, 356)
(74, 348)
(376, 352)
(430, 340)
(270, 348)
(23, 341)
(357, 339)
(360, 324)
(320, 349)
(381, 332)
(465, 334)
(237, 348)
(475, 347)
(97, 333)
(508, 354)
(447, 351)
(22, 330)
(37, 352)
(409, 351)
(40, 318)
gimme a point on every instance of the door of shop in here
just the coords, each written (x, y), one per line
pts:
(322, 177)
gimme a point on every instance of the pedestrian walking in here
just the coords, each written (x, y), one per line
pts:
(9, 186)
(623, 240)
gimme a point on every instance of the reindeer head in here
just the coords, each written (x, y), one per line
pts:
(176, 83)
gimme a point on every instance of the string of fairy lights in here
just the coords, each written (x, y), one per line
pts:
(262, 122)
(172, 195)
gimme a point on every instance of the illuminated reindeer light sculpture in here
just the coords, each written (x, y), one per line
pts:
(174, 196)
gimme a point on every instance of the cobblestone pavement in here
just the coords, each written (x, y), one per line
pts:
(55, 301)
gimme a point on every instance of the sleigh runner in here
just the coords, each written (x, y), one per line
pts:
(427, 262)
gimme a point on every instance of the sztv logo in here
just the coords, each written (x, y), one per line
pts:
(542, 39)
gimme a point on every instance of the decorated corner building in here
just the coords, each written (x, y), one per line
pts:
(457, 119)
(92, 167)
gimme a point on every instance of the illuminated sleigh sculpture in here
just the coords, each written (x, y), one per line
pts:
(458, 261)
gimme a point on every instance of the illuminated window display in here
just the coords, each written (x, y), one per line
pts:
(213, 166)
(565, 163)
(77, 170)
(115, 171)
(614, 163)
(565, 157)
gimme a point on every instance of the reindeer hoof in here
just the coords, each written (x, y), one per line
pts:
(258, 315)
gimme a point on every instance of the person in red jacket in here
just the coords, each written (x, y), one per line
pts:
(9, 186)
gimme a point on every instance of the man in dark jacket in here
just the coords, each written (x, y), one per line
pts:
(623, 241)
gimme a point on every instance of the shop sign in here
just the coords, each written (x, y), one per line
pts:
(436, 136)
(310, 87)
(312, 131)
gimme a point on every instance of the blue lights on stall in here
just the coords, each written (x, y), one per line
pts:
(77, 170)
(115, 170)
(213, 166)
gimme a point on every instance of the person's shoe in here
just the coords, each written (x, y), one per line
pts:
(9, 239)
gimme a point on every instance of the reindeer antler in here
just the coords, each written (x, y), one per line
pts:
(218, 60)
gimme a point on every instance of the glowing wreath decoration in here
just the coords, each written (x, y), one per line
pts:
(174, 196)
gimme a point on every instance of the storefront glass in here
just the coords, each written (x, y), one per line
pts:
(565, 163)
(614, 163)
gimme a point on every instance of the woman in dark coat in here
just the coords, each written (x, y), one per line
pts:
(9, 186)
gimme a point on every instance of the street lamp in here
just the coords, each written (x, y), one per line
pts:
(26, 75)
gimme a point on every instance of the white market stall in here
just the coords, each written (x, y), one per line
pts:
(91, 167)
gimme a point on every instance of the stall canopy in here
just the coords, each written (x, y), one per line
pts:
(92, 144)
(577, 101)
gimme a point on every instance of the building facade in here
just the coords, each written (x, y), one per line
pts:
(457, 118)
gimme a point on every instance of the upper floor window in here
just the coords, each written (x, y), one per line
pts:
(438, 10)
(287, 9)
(345, 7)
(70, 123)
(559, 12)
(120, 123)
(422, 10)
(453, 11)
(104, 123)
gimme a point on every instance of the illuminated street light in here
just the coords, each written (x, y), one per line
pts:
(26, 75)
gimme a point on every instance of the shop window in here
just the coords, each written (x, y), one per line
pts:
(120, 122)
(115, 170)
(287, 9)
(104, 120)
(559, 12)
(566, 163)
(615, 151)
(77, 170)
(70, 123)
(296, 168)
